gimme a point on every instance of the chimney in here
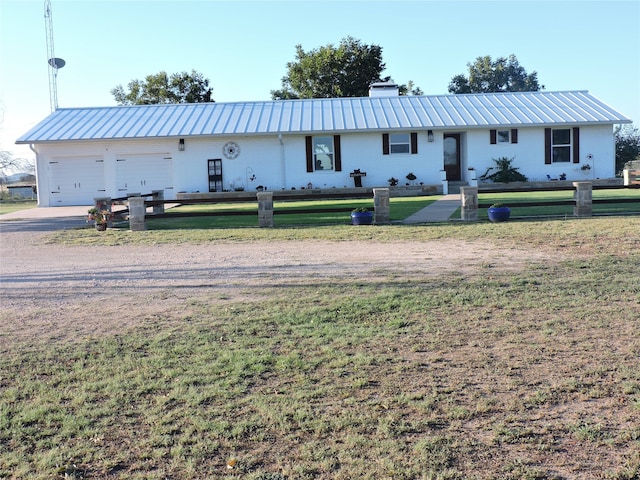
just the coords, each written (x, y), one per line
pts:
(384, 89)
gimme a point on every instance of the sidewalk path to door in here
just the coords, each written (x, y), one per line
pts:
(438, 211)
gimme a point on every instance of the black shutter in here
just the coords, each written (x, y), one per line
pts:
(309, 145)
(414, 142)
(337, 153)
(385, 144)
(492, 137)
(547, 146)
(576, 145)
(514, 135)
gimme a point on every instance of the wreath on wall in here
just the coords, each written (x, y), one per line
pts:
(231, 150)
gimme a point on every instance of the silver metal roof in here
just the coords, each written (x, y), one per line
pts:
(331, 115)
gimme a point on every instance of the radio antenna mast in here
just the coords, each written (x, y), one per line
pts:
(54, 62)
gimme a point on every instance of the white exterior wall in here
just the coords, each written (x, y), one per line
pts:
(280, 163)
(597, 141)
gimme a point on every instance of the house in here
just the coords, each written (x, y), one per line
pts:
(84, 153)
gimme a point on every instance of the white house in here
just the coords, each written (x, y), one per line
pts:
(83, 153)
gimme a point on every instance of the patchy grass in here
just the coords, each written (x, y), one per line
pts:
(10, 206)
(502, 375)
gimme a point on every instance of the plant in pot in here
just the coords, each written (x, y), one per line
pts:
(361, 216)
(503, 172)
(393, 182)
(499, 212)
(100, 218)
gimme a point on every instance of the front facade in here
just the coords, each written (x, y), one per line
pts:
(87, 153)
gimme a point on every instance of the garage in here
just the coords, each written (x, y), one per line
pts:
(144, 173)
(75, 180)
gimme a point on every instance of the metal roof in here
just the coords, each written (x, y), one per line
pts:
(331, 115)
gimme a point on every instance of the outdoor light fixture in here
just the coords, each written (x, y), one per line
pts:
(430, 135)
(181, 145)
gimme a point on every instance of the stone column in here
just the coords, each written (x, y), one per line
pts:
(469, 197)
(584, 199)
(137, 211)
(158, 195)
(265, 209)
(104, 203)
(381, 208)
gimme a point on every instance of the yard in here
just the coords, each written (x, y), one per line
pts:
(450, 351)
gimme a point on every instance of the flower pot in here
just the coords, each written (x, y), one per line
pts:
(499, 214)
(101, 227)
(361, 218)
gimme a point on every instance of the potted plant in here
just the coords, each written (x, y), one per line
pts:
(411, 177)
(361, 216)
(498, 213)
(393, 182)
(100, 218)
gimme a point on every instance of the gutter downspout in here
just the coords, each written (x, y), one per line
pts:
(38, 189)
(283, 171)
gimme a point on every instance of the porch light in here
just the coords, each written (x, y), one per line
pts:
(181, 145)
(430, 135)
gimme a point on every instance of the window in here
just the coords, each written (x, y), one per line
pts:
(398, 143)
(503, 136)
(561, 145)
(323, 153)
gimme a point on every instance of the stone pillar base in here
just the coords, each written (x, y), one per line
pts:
(381, 207)
(265, 209)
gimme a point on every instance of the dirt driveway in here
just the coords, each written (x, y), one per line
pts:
(135, 282)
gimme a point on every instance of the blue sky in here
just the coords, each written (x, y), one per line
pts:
(243, 46)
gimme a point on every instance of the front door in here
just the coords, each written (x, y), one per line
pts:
(452, 156)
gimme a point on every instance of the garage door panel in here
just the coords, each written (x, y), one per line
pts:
(76, 180)
(144, 173)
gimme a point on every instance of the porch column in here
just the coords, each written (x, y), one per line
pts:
(469, 197)
(445, 183)
(381, 208)
(136, 214)
(584, 199)
(265, 209)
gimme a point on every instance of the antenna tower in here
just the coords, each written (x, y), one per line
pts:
(54, 62)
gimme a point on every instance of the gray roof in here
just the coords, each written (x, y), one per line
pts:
(331, 115)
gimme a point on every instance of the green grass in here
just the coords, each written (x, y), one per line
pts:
(503, 374)
(400, 209)
(10, 206)
(512, 199)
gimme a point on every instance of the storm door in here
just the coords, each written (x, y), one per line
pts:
(452, 156)
(215, 175)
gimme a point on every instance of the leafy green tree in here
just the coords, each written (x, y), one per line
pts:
(181, 87)
(346, 70)
(627, 146)
(501, 75)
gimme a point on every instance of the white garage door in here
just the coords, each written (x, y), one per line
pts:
(76, 180)
(144, 173)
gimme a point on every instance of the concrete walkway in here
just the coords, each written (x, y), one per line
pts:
(438, 211)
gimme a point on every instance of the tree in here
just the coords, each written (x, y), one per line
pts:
(627, 146)
(501, 75)
(329, 72)
(181, 87)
